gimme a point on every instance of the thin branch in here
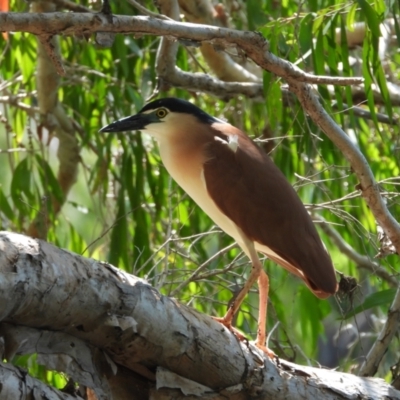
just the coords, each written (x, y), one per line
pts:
(365, 114)
(361, 260)
(167, 50)
(250, 42)
(208, 84)
(196, 273)
(69, 5)
(380, 346)
(14, 150)
(12, 100)
(54, 118)
(147, 12)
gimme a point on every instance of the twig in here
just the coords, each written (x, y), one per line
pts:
(15, 150)
(362, 113)
(222, 271)
(69, 5)
(12, 100)
(361, 261)
(147, 12)
(195, 274)
(379, 348)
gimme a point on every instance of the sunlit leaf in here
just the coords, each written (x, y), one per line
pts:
(351, 15)
(371, 17)
(368, 50)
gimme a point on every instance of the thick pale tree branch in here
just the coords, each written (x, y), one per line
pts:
(78, 24)
(124, 317)
(175, 77)
(249, 44)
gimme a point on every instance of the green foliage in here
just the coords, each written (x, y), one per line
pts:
(125, 209)
(377, 299)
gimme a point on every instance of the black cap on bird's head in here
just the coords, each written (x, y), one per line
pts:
(178, 106)
(154, 112)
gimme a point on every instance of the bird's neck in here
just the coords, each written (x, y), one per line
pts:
(183, 160)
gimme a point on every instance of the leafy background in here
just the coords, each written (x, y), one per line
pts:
(124, 208)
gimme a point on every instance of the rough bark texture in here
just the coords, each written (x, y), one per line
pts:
(116, 334)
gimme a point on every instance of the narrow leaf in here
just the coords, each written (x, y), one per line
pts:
(382, 298)
(371, 17)
(5, 206)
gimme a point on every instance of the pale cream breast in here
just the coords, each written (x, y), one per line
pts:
(185, 164)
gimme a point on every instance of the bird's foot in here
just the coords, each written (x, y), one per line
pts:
(228, 325)
(267, 351)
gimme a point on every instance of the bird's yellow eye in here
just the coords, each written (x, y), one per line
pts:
(161, 112)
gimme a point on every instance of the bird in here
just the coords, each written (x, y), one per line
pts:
(242, 190)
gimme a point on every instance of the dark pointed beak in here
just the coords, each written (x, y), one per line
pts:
(134, 123)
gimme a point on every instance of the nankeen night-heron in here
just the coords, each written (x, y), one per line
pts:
(243, 192)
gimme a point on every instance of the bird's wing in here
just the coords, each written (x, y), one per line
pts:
(248, 187)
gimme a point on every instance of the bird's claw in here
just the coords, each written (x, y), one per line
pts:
(229, 326)
(267, 351)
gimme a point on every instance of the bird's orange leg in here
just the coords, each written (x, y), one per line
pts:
(257, 272)
(263, 288)
(237, 301)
